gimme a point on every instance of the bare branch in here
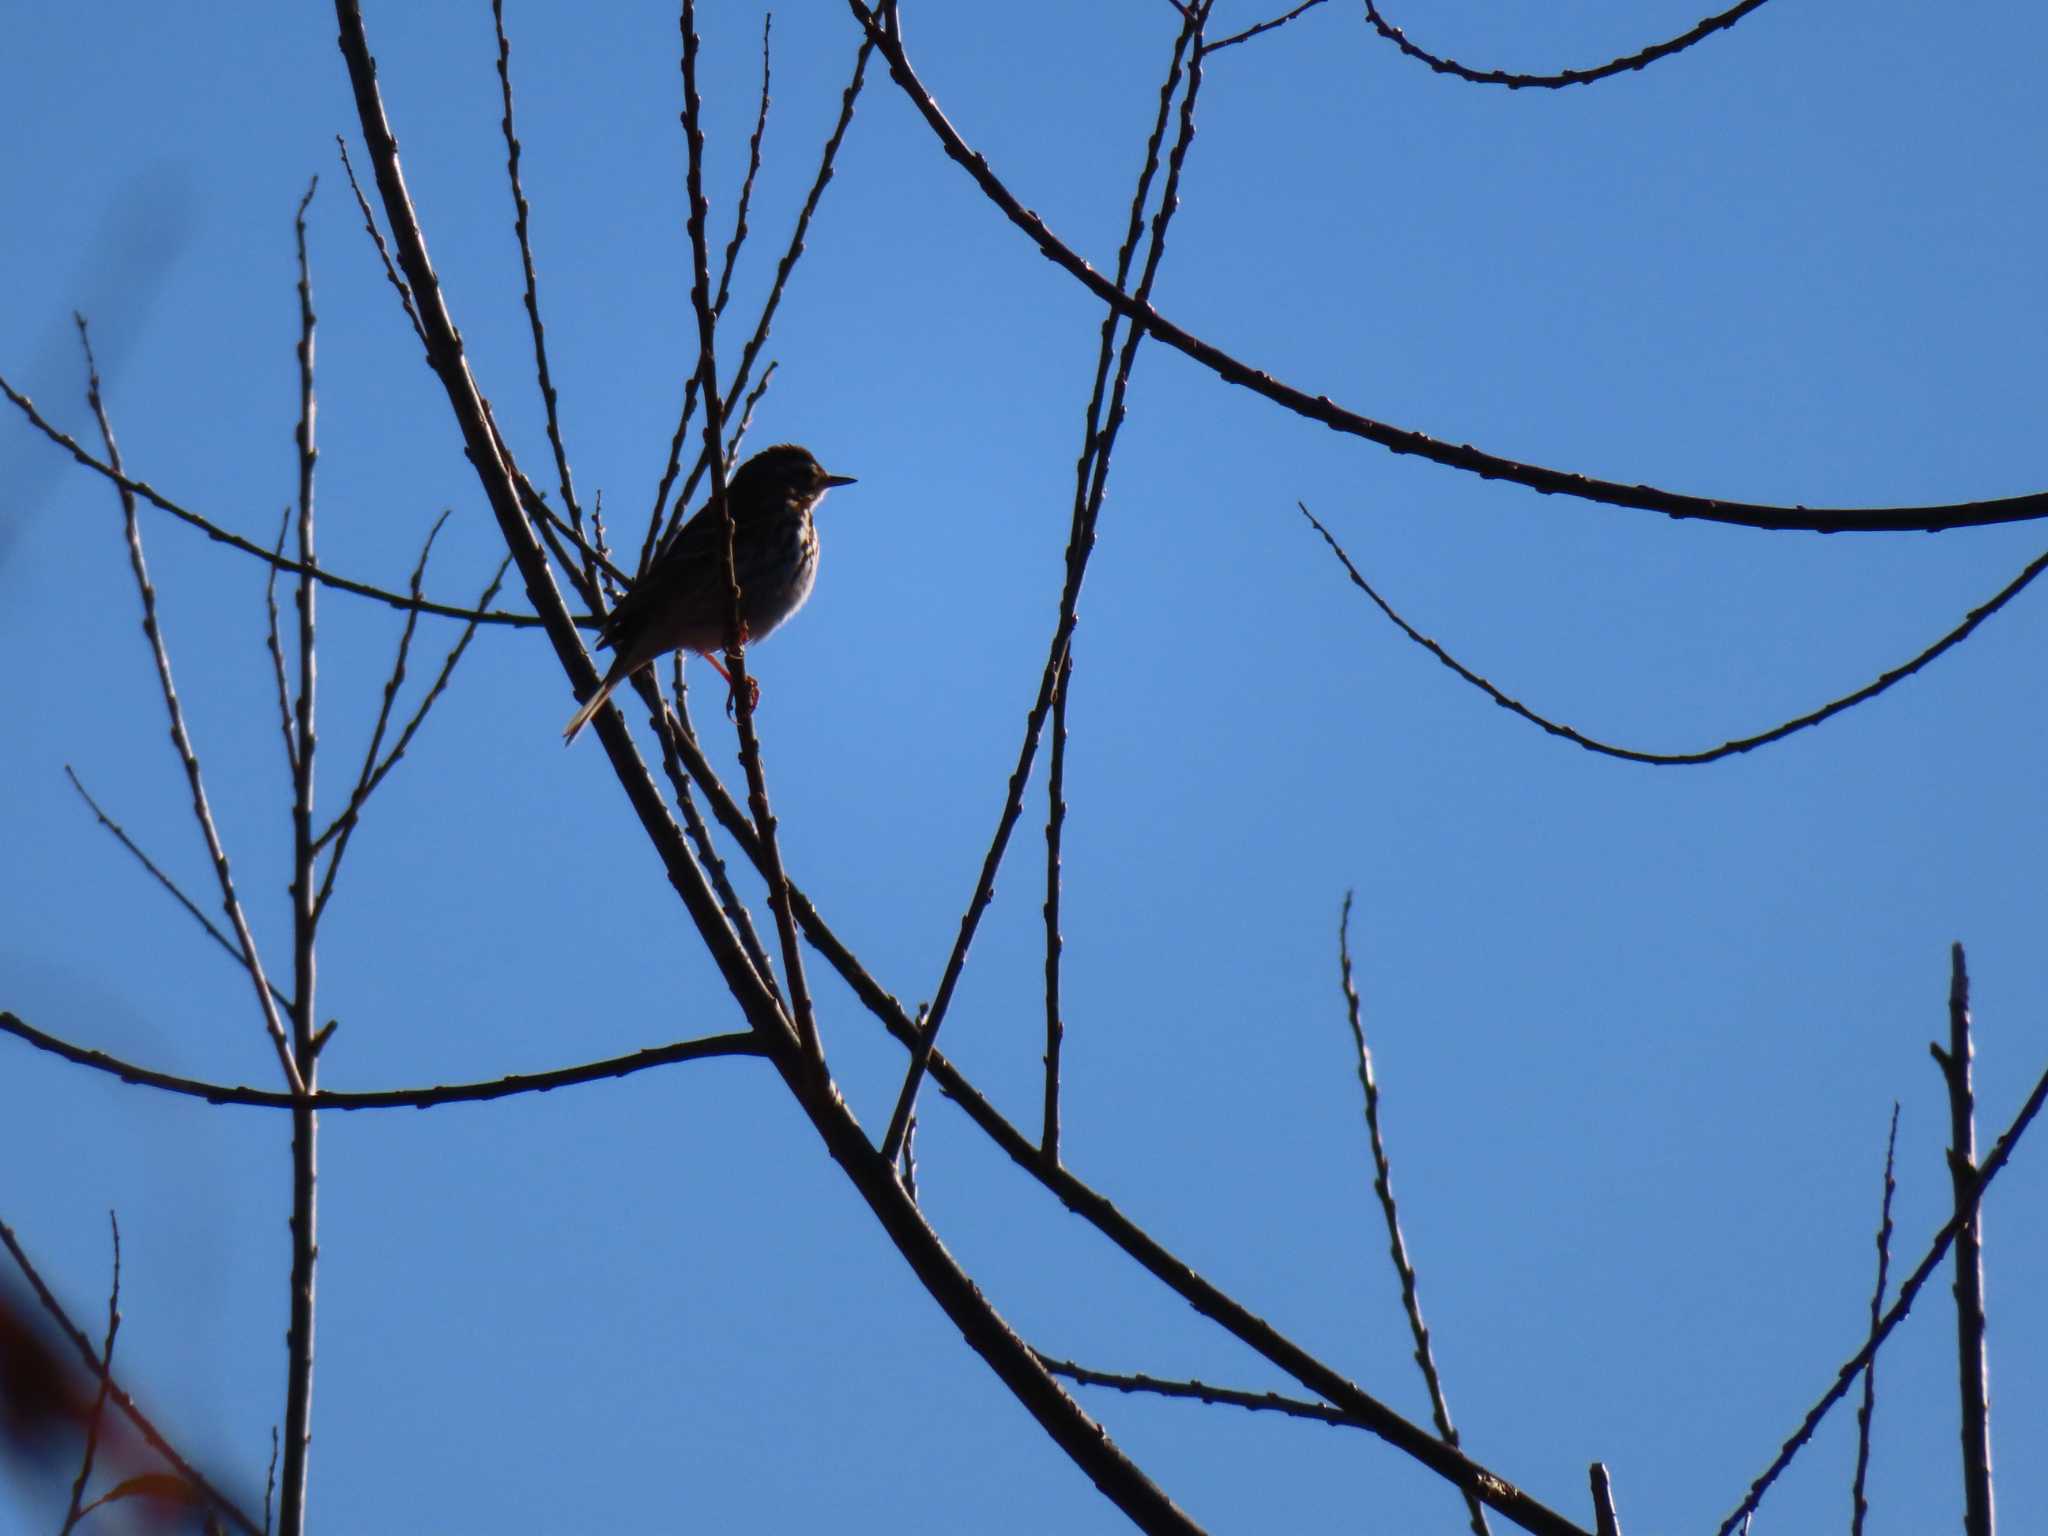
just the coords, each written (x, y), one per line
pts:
(751, 351)
(1090, 479)
(1265, 26)
(1936, 1252)
(377, 239)
(1471, 460)
(284, 701)
(1383, 1187)
(298, 1393)
(519, 225)
(121, 837)
(1858, 1505)
(739, 220)
(1605, 1522)
(76, 1509)
(1639, 60)
(1883, 682)
(505, 1087)
(220, 535)
(800, 1009)
(1979, 1515)
(202, 812)
(118, 1395)
(1055, 825)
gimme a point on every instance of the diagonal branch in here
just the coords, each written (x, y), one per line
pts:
(1856, 1363)
(177, 893)
(1383, 1187)
(202, 812)
(1090, 480)
(217, 1501)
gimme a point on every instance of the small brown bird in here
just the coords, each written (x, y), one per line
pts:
(682, 601)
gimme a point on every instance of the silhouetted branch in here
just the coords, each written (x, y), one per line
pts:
(1858, 1505)
(383, 251)
(1265, 26)
(1605, 1522)
(76, 1508)
(519, 226)
(1937, 1250)
(1090, 479)
(505, 1087)
(116, 1393)
(140, 488)
(297, 1429)
(1638, 60)
(276, 646)
(375, 769)
(799, 1008)
(1133, 1382)
(752, 350)
(177, 893)
(739, 218)
(1383, 1187)
(1979, 1516)
(1055, 824)
(202, 812)
(1883, 682)
(1471, 460)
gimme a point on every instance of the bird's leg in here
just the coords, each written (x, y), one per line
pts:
(732, 693)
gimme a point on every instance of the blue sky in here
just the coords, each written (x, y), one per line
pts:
(1639, 1030)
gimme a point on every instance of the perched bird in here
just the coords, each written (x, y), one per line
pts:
(682, 602)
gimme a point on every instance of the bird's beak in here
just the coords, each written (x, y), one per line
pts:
(832, 480)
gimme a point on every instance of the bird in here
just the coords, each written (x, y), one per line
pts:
(683, 602)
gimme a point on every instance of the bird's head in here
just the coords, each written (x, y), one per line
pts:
(782, 473)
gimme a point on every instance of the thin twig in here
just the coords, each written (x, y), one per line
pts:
(1979, 1513)
(383, 255)
(783, 268)
(739, 433)
(1383, 1188)
(202, 812)
(1455, 456)
(1055, 825)
(1867, 1410)
(89, 1354)
(284, 701)
(149, 864)
(739, 218)
(298, 1396)
(519, 226)
(1133, 1382)
(1883, 682)
(1937, 1250)
(375, 769)
(1265, 26)
(106, 1374)
(141, 488)
(672, 724)
(800, 1008)
(1638, 60)
(1090, 481)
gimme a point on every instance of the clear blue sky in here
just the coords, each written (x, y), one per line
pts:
(1639, 1029)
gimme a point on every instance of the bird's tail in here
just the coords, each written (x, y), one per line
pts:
(583, 716)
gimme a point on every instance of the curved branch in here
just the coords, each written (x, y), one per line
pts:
(1828, 711)
(505, 1087)
(1639, 60)
(1488, 466)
